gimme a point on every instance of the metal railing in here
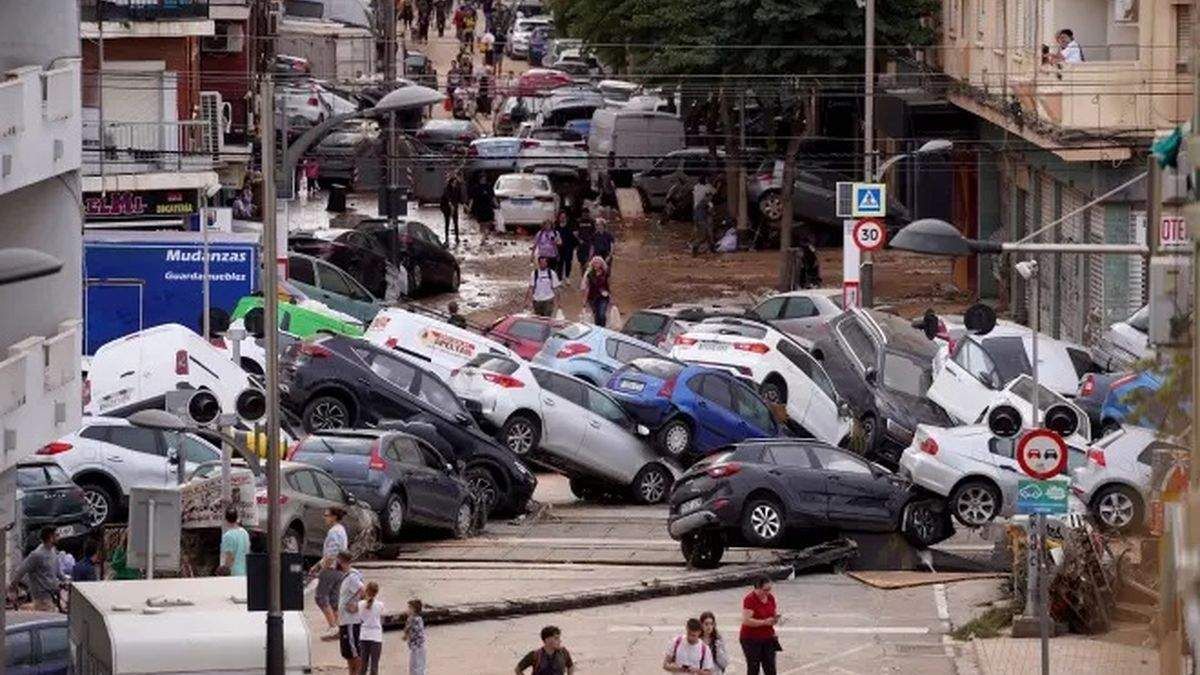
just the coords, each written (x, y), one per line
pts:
(162, 145)
(143, 10)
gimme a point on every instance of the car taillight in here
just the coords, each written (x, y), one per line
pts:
(1096, 456)
(667, 390)
(572, 349)
(314, 351)
(87, 392)
(1087, 386)
(181, 362)
(724, 470)
(530, 144)
(54, 448)
(756, 347)
(929, 446)
(391, 343)
(505, 381)
(685, 341)
(312, 100)
(1078, 492)
(377, 462)
(261, 498)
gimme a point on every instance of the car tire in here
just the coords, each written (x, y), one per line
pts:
(773, 390)
(675, 437)
(923, 523)
(870, 434)
(521, 433)
(763, 523)
(391, 518)
(583, 490)
(101, 503)
(292, 540)
(1118, 508)
(702, 550)
(484, 485)
(464, 519)
(975, 503)
(326, 412)
(652, 484)
(770, 206)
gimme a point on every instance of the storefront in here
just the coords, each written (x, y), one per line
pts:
(142, 209)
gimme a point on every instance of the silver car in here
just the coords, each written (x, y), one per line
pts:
(802, 313)
(1116, 481)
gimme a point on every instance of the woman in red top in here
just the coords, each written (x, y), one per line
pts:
(596, 291)
(759, 617)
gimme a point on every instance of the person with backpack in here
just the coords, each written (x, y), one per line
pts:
(546, 243)
(551, 659)
(543, 288)
(688, 653)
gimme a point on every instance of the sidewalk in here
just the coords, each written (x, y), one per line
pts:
(1069, 655)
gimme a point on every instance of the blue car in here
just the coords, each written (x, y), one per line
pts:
(693, 409)
(581, 127)
(591, 353)
(37, 643)
(1118, 407)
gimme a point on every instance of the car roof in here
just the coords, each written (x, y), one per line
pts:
(324, 234)
(807, 292)
(27, 619)
(444, 123)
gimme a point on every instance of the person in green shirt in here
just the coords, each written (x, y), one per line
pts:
(235, 544)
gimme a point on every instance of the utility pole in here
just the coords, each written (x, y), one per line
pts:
(867, 267)
(387, 15)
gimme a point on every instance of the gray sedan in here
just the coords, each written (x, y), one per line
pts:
(443, 134)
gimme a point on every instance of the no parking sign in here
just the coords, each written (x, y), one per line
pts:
(1042, 454)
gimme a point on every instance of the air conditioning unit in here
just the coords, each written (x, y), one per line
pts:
(212, 111)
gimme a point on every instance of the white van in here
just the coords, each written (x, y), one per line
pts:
(137, 370)
(426, 338)
(636, 138)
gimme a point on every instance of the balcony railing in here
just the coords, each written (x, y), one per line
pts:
(143, 10)
(135, 147)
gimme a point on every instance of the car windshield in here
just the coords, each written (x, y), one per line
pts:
(1023, 388)
(31, 476)
(494, 364)
(523, 184)
(573, 331)
(646, 322)
(337, 445)
(557, 134)
(1008, 355)
(660, 368)
(902, 373)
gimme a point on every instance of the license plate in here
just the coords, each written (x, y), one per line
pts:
(523, 201)
(690, 505)
(631, 385)
(712, 346)
(65, 531)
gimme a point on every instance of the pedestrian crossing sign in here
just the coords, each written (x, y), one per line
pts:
(869, 199)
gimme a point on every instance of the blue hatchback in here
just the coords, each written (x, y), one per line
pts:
(591, 353)
(1118, 407)
(693, 409)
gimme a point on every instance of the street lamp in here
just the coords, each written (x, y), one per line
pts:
(932, 236)
(927, 148)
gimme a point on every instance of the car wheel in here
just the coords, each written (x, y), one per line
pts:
(326, 412)
(774, 390)
(762, 523)
(675, 437)
(484, 485)
(462, 520)
(392, 516)
(922, 525)
(521, 433)
(102, 506)
(652, 484)
(583, 489)
(870, 434)
(975, 503)
(1117, 508)
(293, 540)
(702, 550)
(770, 205)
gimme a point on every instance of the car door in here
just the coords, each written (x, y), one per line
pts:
(139, 458)
(19, 653)
(388, 386)
(967, 382)
(312, 508)
(800, 481)
(756, 419)
(343, 293)
(419, 483)
(658, 180)
(301, 271)
(858, 496)
(610, 446)
(770, 309)
(564, 414)
(799, 316)
(446, 489)
(822, 417)
(716, 423)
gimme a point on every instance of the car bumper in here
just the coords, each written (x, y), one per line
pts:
(532, 215)
(928, 472)
(696, 520)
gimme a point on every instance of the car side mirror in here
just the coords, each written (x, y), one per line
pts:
(642, 430)
(870, 376)
(462, 419)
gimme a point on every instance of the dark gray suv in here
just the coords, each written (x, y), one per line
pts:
(403, 478)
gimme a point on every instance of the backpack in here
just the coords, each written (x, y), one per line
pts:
(703, 649)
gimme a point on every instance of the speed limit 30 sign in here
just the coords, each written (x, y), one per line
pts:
(1042, 454)
(869, 235)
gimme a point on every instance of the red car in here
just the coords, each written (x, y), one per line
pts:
(523, 333)
(537, 80)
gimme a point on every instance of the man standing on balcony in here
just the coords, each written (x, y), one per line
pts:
(1068, 48)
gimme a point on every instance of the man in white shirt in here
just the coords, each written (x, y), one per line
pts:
(1068, 48)
(349, 618)
(687, 653)
(543, 288)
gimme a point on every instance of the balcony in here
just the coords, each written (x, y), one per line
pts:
(39, 392)
(147, 147)
(143, 10)
(39, 124)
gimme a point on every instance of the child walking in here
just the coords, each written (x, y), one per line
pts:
(414, 635)
(370, 637)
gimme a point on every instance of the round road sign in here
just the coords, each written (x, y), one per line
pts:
(869, 235)
(1042, 454)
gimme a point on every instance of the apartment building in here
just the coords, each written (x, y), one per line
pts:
(1054, 135)
(40, 208)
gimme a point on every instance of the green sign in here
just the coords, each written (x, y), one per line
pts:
(1042, 496)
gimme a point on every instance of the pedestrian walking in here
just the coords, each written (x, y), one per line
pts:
(596, 292)
(716, 643)
(585, 232)
(312, 174)
(452, 198)
(370, 610)
(550, 659)
(406, 14)
(235, 544)
(603, 243)
(85, 568)
(349, 593)
(414, 637)
(546, 243)
(543, 288)
(441, 8)
(483, 205)
(41, 572)
(759, 617)
(329, 577)
(702, 194)
(568, 227)
(688, 653)
(453, 317)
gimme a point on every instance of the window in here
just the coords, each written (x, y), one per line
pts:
(197, 451)
(95, 433)
(790, 455)
(334, 281)
(438, 395)
(138, 440)
(528, 330)
(305, 482)
(971, 357)
(716, 390)
(568, 388)
(858, 343)
(770, 309)
(1028, 24)
(1000, 24)
(809, 366)
(433, 458)
(799, 308)
(329, 487)
(56, 474)
(646, 323)
(494, 364)
(19, 647)
(31, 476)
(405, 450)
(56, 644)
(301, 270)
(905, 375)
(834, 460)
(395, 371)
(606, 408)
(661, 368)
(1002, 447)
(626, 351)
(750, 406)
(955, 12)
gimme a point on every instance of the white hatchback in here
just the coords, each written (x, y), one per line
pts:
(425, 337)
(783, 370)
(1115, 483)
(525, 199)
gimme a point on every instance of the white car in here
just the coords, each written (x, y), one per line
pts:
(800, 312)
(525, 199)
(428, 339)
(617, 93)
(1126, 342)
(975, 470)
(107, 456)
(969, 374)
(522, 30)
(556, 150)
(1115, 483)
(137, 370)
(567, 424)
(785, 373)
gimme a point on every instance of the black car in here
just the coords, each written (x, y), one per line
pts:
(339, 382)
(400, 476)
(417, 249)
(51, 498)
(765, 493)
(36, 643)
(882, 367)
(356, 253)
